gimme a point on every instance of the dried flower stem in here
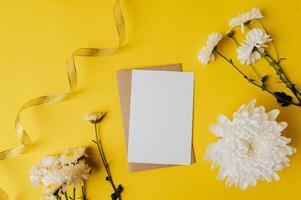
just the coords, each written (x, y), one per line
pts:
(105, 163)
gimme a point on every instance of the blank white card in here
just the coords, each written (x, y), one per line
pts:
(161, 112)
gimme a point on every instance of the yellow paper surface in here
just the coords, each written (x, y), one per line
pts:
(37, 37)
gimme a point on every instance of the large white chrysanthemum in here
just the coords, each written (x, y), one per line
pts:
(243, 18)
(256, 40)
(206, 55)
(250, 147)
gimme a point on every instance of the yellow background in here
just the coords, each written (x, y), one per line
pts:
(37, 37)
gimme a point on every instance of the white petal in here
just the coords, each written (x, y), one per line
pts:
(273, 114)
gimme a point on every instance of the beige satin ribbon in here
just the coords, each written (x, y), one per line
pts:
(22, 135)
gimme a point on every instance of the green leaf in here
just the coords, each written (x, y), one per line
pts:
(120, 188)
(114, 196)
(283, 99)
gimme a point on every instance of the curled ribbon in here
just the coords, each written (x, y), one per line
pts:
(21, 133)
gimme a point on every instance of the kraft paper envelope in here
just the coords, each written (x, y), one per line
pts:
(124, 78)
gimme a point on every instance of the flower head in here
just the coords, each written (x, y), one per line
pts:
(244, 18)
(206, 55)
(55, 173)
(250, 51)
(94, 117)
(250, 147)
(257, 38)
(72, 155)
(247, 55)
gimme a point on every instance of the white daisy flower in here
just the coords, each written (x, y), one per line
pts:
(250, 51)
(247, 55)
(258, 38)
(250, 147)
(243, 18)
(206, 55)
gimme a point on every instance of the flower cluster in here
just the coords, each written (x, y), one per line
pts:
(250, 147)
(57, 172)
(250, 50)
(253, 48)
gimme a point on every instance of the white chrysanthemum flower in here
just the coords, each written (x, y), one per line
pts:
(39, 171)
(55, 173)
(94, 117)
(247, 55)
(243, 18)
(250, 147)
(48, 161)
(77, 173)
(71, 155)
(256, 40)
(206, 55)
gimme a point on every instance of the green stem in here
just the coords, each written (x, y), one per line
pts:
(57, 197)
(279, 71)
(74, 192)
(84, 192)
(233, 65)
(273, 43)
(252, 66)
(235, 40)
(66, 196)
(262, 87)
(104, 162)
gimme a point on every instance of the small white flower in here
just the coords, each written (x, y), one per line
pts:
(243, 18)
(206, 55)
(94, 117)
(250, 147)
(247, 55)
(250, 51)
(257, 38)
(213, 39)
